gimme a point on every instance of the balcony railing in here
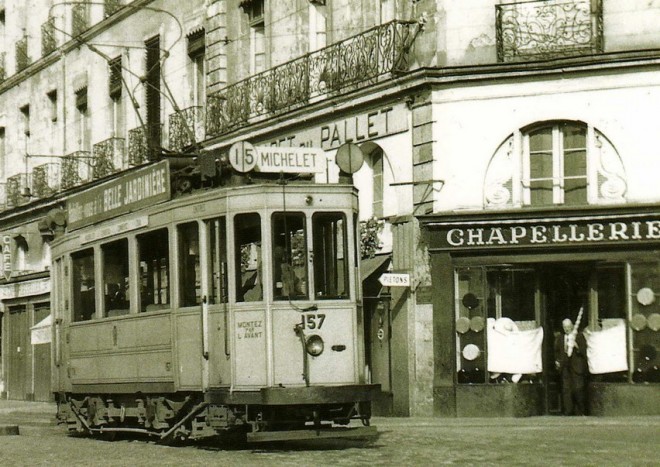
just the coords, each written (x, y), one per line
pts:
(15, 186)
(75, 169)
(108, 157)
(48, 39)
(79, 19)
(142, 144)
(46, 180)
(545, 29)
(354, 63)
(186, 128)
(22, 58)
(111, 6)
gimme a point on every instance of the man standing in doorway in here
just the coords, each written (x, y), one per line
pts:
(571, 361)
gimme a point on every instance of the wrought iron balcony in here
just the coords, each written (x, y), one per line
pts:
(48, 39)
(15, 186)
(22, 57)
(111, 6)
(186, 128)
(46, 179)
(354, 63)
(108, 157)
(79, 19)
(75, 169)
(144, 144)
(545, 29)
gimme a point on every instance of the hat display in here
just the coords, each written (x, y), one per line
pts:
(638, 322)
(470, 300)
(477, 323)
(462, 324)
(471, 352)
(653, 321)
(647, 352)
(645, 296)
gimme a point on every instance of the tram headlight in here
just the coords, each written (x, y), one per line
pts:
(314, 345)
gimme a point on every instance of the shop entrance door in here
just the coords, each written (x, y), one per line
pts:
(564, 289)
(17, 383)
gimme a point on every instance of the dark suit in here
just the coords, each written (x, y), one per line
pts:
(574, 372)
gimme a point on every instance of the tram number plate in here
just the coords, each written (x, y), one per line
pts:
(313, 321)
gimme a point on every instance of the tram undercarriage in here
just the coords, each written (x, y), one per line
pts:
(191, 416)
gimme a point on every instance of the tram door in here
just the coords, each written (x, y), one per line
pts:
(564, 289)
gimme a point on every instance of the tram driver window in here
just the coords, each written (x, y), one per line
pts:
(154, 270)
(218, 237)
(330, 256)
(83, 298)
(115, 278)
(247, 240)
(289, 256)
(190, 287)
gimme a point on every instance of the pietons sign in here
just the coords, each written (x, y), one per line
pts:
(131, 191)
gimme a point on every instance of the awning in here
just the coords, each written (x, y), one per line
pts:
(369, 266)
(41, 332)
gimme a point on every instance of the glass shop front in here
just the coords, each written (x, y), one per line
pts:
(515, 279)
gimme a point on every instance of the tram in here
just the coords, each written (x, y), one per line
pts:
(185, 311)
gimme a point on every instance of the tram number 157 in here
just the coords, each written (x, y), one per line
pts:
(313, 321)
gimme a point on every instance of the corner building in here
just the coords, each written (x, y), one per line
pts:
(509, 170)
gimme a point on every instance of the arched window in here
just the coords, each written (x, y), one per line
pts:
(555, 163)
(375, 159)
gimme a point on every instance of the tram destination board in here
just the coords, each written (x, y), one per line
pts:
(143, 187)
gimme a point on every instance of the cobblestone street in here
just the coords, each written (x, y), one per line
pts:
(401, 441)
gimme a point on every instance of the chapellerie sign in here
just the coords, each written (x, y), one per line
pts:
(544, 233)
(131, 191)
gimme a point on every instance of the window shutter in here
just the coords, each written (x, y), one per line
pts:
(115, 83)
(81, 99)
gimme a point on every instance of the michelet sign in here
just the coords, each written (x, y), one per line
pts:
(245, 157)
(395, 280)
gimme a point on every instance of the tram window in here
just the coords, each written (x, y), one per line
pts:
(218, 236)
(83, 298)
(289, 256)
(115, 278)
(154, 270)
(190, 287)
(247, 239)
(330, 256)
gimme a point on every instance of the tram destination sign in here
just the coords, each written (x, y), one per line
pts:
(126, 193)
(245, 157)
(540, 233)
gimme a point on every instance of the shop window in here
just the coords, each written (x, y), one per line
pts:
(511, 295)
(470, 323)
(249, 271)
(154, 264)
(289, 256)
(115, 278)
(190, 286)
(645, 321)
(330, 256)
(83, 295)
(555, 163)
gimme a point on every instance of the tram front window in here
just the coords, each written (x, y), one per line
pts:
(289, 257)
(83, 299)
(115, 278)
(218, 238)
(247, 240)
(154, 270)
(330, 256)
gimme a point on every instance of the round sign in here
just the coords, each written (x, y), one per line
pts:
(645, 296)
(242, 156)
(470, 352)
(349, 158)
